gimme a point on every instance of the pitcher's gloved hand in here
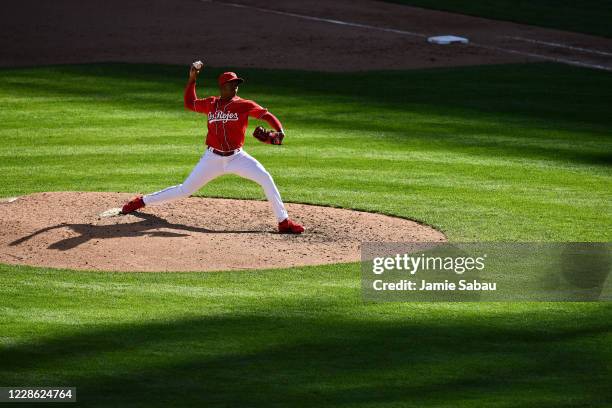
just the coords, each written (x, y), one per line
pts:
(268, 136)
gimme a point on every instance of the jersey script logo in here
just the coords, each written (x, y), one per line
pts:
(220, 116)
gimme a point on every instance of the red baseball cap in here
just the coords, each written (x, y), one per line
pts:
(229, 76)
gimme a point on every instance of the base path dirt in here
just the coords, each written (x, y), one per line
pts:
(65, 230)
(339, 35)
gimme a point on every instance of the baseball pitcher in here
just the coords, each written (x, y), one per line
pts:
(228, 116)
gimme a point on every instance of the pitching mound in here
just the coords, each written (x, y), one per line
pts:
(65, 230)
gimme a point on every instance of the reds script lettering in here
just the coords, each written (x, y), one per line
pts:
(220, 116)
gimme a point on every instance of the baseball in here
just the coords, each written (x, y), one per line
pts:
(198, 65)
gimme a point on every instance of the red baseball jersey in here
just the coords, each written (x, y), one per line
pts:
(227, 120)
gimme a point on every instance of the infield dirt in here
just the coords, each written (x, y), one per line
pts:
(292, 34)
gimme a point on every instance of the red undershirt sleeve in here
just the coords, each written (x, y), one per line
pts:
(191, 100)
(261, 113)
(272, 121)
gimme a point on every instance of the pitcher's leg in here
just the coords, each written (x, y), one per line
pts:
(208, 168)
(248, 167)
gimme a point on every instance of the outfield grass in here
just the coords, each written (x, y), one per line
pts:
(292, 338)
(589, 17)
(518, 152)
(488, 153)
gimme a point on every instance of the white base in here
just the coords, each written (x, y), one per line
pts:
(447, 39)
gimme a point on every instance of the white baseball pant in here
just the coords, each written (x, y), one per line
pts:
(211, 166)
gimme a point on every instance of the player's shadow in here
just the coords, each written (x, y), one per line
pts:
(150, 225)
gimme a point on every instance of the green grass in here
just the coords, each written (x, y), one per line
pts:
(519, 152)
(590, 17)
(298, 337)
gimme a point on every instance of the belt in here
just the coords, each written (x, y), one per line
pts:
(223, 153)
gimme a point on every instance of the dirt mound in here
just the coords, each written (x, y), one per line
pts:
(65, 230)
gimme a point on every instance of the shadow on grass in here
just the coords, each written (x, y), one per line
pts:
(259, 361)
(149, 226)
